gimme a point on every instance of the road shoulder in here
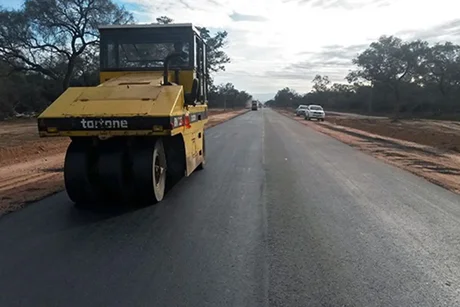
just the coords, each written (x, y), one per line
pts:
(437, 165)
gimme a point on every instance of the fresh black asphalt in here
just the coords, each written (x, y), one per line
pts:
(281, 216)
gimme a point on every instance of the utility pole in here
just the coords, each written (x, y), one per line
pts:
(371, 98)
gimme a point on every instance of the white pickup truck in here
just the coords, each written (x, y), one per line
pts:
(314, 111)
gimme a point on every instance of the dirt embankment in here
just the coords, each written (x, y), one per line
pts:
(427, 148)
(32, 168)
(435, 133)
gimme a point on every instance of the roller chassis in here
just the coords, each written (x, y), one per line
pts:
(137, 133)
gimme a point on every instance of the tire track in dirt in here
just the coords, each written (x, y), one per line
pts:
(24, 173)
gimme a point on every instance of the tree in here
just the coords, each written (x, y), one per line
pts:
(411, 77)
(164, 20)
(443, 67)
(286, 98)
(341, 88)
(227, 96)
(49, 36)
(86, 72)
(389, 62)
(242, 98)
(320, 83)
(270, 103)
(217, 58)
(229, 93)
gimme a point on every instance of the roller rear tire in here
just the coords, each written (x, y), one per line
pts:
(202, 165)
(79, 164)
(115, 173)
(149, 173)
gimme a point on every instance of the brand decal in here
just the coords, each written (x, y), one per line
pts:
(104, 123)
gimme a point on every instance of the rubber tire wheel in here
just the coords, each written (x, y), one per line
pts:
(114, 173)
(175, 160)
(146, 190)
(202, 165)
(78, 163)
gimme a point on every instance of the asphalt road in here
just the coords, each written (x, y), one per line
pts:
(282, 216)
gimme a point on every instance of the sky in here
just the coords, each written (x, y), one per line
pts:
(284, 43)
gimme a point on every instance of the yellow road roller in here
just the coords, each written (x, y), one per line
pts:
(142, 128)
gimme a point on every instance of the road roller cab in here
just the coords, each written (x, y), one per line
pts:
(142, 128)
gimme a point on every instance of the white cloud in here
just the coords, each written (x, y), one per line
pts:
(271, 41)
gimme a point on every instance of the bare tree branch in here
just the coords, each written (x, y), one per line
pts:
(47, 32)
